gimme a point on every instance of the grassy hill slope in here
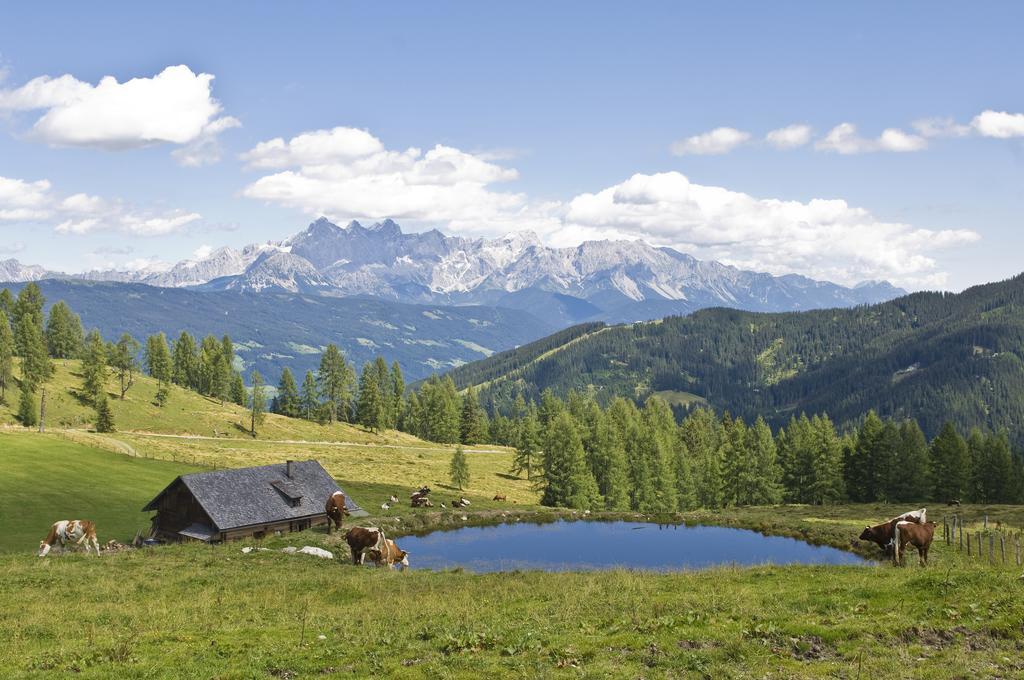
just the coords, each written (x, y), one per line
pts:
(198, 431)
(931, 356)
(45, 479)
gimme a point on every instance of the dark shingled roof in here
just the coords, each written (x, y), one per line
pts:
(248, 496)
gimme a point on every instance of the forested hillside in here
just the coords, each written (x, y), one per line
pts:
(935, 357)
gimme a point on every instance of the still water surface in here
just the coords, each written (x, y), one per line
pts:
(589, 546)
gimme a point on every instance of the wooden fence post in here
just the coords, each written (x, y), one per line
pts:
(945, 529)
(960, 531)
(991, 548)
(968, 543)
(1002, 548)
(1018, 551)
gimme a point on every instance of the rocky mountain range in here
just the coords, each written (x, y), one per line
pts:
(614, 281)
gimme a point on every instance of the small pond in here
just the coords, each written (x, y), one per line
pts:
(594, 545)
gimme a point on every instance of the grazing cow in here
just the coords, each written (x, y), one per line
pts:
(884, 534)
(390, 555)
(422, 491)
(77, 531)
(499, 497)
(953, 501)
(392, 498)
(918, 535)
(385, 506)
(362, 540)
(421, 502)
(336, 510)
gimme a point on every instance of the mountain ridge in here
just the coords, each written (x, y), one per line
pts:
(611, 281)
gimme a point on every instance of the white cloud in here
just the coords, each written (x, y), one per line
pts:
(999, 124)
(314, 148)
(718, 141)
(346, 173)
(450, 188)
(36, 202)
(940, 127)
(826, 239)
(843, 139)
(175, 107)
(789, 137)
(202, 252)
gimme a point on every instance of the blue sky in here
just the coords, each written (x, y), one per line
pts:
(569, 119)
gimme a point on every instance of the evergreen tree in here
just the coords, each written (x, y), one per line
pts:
(210, 352)
(701, 434)
(398, 394)
(158, 358)
(335, 379)
(7, 303)
(949, 465)
(27, 320)
(36, 367)
(865, 469)
(567, 480)
(94, 367)
(658, 419)
(473, 419)
(257, 403)
(763, 486)
(288, 395)
(309, 397)
(412, 419)
(440, 403)
(104, 414)
(370, 408)
(911, 476)
(826, 475)
(63, 332)
(527, 446)
(123, 361)
(227, 350)
(6, 355)
(220, 380)
(237, 391)
(185, 362)
(459, 468)
(609, 465)
(385, 387)
(27, 413)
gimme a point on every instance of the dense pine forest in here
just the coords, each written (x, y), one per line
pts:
(620, 453)
(933, 357)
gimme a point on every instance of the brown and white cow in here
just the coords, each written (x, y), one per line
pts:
(390, 555)
(918, 535)
(884, 534)
(500, 497)
(362, 540)
(76, 531)
(336, 510)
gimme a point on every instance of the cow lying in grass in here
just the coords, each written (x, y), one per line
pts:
(918, 535)
(76, 531)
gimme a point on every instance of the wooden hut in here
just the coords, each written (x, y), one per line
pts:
(229, 504)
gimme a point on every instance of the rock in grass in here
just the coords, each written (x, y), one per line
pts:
(317, 552)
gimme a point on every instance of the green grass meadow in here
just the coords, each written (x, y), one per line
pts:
(192, 611)
(45, 479)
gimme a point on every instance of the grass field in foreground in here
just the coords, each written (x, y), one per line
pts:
(45, 479)
(195, 611)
